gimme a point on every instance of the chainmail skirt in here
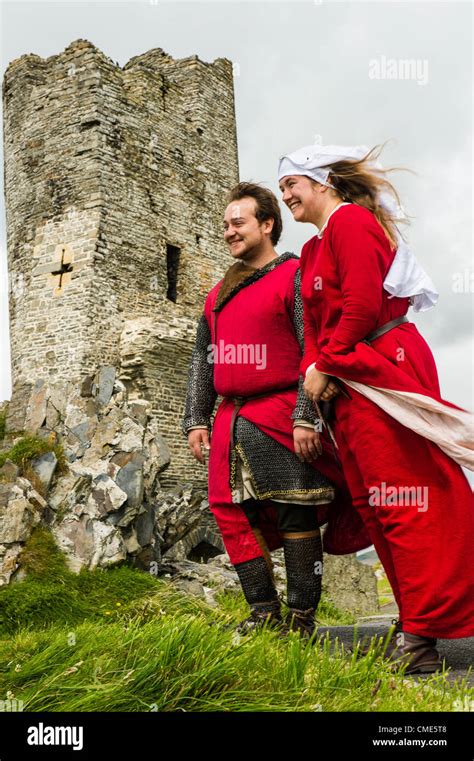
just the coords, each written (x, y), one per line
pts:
(262, 468)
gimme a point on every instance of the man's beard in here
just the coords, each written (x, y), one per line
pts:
(247, 253)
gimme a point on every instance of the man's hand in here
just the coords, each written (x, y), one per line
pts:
(198, 438)
(307, 444)
(315, 384)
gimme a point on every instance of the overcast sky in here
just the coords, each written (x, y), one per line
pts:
(308, 69)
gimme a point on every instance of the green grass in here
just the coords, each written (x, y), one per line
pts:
(29, 447)
(51, 594)
(170, 655)
(122, 640)
(26, 449)
(3, 422)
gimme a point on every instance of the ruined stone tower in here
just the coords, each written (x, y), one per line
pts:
(115, 181)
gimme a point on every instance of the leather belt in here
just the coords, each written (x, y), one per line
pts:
(240, 400)
(384, 329)
(368, 340)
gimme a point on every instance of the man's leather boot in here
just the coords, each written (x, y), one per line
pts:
(259, 590)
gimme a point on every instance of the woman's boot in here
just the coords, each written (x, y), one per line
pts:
(419, 654)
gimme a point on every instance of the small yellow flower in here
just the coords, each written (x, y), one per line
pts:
(107, 613)
(118, 604)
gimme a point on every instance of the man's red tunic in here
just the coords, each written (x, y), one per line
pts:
(260, 314)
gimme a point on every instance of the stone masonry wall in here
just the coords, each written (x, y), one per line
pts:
(105, 169)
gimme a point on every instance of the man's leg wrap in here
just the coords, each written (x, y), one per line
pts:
(304, 567)
(266, 552)
(257, 582)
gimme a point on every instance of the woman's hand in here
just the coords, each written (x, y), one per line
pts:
(315, 384)
(307, 443)
(330, 392)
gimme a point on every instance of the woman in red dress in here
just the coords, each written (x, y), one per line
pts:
(400, 444)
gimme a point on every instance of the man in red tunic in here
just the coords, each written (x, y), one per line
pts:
(400, 443)
(271, 477)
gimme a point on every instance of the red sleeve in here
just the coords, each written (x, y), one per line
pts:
(309, 328)
(363, 257)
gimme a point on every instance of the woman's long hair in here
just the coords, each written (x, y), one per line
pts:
(358, 182)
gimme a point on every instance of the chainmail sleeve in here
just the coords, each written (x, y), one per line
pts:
(201, 395)
(304, 409)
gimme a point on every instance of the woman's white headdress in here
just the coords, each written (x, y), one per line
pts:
(406, 277)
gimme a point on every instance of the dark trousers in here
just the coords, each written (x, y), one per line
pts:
(290, 517)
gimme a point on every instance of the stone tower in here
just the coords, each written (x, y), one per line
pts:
(115, 181)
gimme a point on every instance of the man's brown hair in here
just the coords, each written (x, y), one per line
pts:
(267, 206)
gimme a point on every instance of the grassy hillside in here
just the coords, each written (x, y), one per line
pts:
(121, 640)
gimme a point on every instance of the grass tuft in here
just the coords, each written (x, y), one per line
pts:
(3, 422)
(28, 448)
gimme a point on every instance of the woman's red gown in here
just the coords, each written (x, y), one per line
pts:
(399, 442)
